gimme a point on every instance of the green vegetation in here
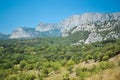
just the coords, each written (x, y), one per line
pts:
(84, 72)
(38, 59)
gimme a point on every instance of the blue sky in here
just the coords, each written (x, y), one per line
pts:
(29, 13)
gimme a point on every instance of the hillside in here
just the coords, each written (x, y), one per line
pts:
(46, 59)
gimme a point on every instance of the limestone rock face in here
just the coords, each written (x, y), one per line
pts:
(93, 37)
(42, 27)
(86, 21)
(19, 33)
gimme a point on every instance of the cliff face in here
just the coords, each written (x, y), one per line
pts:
(87, 21)
(100, 26)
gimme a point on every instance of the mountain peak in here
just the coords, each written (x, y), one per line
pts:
(42, 27)
(19, 33)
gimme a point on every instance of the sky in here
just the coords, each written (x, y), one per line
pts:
(29, 13)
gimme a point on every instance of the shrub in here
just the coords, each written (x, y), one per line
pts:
(104, 65)
(15, 68)
(28, 67)
(105, 58)
(69, 68)
(70, 65)
(30, 77)
(38, 65)
(45, 71)
(88, 57)
(63, 62)
(41, 76)
(12, 77)
(82, 73)
(3, 74)
(22, 64)
(7, 65)
(56, 66)
(22, 76)
(66, 77)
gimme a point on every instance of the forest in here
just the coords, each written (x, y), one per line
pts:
(52, 58)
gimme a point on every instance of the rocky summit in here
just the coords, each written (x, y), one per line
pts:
(100, 26)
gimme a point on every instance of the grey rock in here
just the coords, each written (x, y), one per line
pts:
(93, 37)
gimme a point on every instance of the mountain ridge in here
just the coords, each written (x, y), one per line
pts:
(101, 26)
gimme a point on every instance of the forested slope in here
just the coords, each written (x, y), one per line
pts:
(45, 58)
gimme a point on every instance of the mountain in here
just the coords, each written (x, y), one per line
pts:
(23, 32)
(4, 36)
(86, 21)
(84, 28)
(42, 27)
(46, 29)
(100, 26)
(42, 30)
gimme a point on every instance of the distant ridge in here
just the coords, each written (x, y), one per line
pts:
(101, 26)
